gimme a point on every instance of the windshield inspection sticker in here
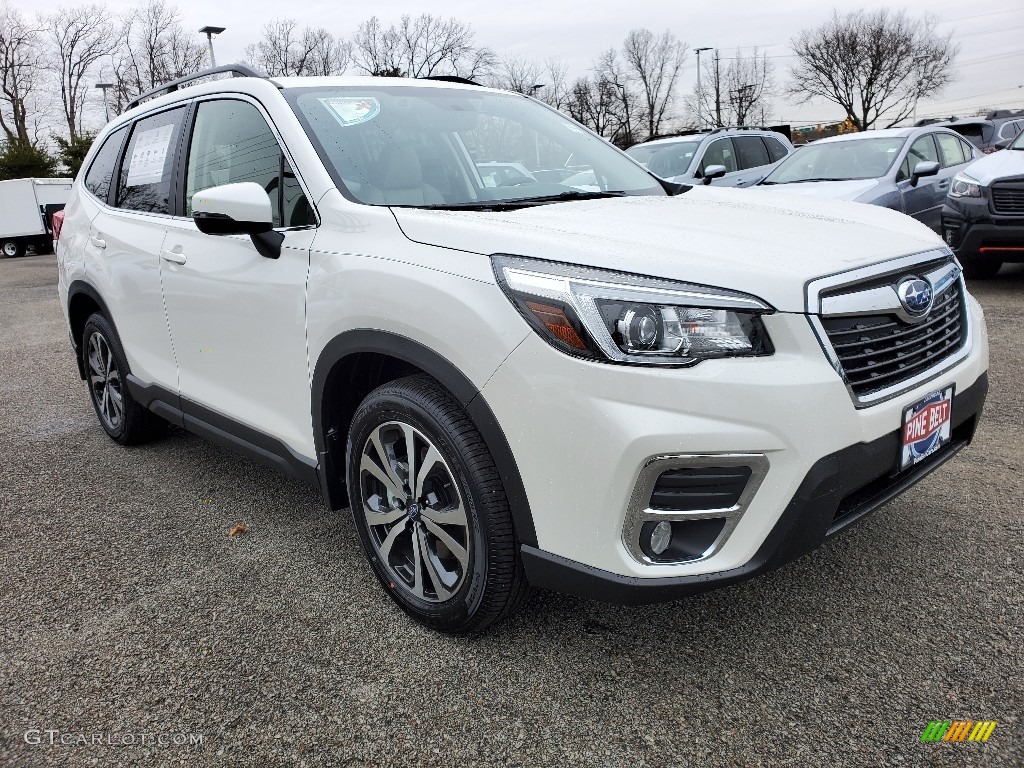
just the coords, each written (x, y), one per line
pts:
(148, 156)
(352, 110)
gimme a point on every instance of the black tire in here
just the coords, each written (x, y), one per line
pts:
(981, 269)
(106, 369)
(462, 476)
(11, 249)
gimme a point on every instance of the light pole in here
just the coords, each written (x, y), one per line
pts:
(106, 108)
(700, 90)
(210, 32)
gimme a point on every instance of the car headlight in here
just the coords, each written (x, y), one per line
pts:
(625, 318)
(964, 186)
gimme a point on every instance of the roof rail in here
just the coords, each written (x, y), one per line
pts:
(450, 79)
(741, 128)
(236, 70)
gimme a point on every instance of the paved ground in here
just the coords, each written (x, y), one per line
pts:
(127, 612)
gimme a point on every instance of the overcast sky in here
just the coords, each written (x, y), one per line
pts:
(990, 67)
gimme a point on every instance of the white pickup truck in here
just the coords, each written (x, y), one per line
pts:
(26, 212)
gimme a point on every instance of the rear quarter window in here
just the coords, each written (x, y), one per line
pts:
(776, 148)
(101, 171)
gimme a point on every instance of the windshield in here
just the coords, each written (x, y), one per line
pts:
(454, 147)
(838, 161)
(665, 160)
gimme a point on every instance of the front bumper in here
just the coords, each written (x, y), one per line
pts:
(591, 428)
(839, 490)
(974, 232)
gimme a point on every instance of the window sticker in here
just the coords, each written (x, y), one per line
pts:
(352, 110)
(149, 155)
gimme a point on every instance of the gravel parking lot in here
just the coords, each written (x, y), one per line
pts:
(127, 611)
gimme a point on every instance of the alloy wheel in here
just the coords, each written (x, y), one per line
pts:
(105, 382)
(415, 512)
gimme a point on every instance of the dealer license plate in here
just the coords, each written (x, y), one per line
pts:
(926, 427)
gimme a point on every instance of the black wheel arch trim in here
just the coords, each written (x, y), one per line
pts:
(330, 444)
(80, 287)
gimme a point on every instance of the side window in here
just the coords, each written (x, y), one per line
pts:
(100, 173)
(776, 148)
(751, 151)
(968, 149)
(922, 151)
(949, 146)
(720, 152)
(147, 167)
(1010, 129)
(232, 143)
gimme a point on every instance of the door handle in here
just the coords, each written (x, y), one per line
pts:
(174, 256)
(99, 242)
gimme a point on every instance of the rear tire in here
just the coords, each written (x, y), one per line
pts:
(106, 371)
(430, 508)
(12, 249)
(982, 269)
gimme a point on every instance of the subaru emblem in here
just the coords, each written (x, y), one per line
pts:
(915, 295)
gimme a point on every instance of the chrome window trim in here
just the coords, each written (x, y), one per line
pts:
(638, 512)
(940, 279)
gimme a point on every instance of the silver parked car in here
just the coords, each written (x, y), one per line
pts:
(906, 169)
(737, 157)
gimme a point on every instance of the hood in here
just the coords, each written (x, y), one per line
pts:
(765, 245)
(833, 190)
(999, 165)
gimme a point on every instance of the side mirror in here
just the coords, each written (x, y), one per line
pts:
(1002, 144)
(713, 172)
(238, 209)
(929, 168)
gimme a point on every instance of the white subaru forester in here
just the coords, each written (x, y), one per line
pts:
(629, 390)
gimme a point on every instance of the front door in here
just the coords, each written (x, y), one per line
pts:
(237, 318)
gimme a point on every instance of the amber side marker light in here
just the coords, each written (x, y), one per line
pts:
(555, 320)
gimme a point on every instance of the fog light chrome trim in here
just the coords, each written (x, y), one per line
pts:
(639, 511)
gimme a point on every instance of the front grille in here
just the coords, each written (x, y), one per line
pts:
(698, 488)
(1007, 199)
(879, 351)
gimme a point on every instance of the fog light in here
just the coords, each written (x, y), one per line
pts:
(661, 537)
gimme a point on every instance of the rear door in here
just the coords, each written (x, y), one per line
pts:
(753, 160)
(124, 244)
(237, 318)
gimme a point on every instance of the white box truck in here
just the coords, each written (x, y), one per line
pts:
(26, 214)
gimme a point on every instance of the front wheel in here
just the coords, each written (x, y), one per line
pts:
(430, 508)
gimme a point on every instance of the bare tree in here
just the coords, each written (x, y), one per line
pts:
(285, 50)
(654, 63)
(628, 114)
(155, 49)
(421, 47)
(736, 91)
(80, 37)
(556, 89)
(20, 63)
(875, 65)
(518, 74)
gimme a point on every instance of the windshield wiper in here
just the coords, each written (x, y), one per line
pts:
(822, 178)
(511, 205)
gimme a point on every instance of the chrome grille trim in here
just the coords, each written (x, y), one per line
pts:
(945, 330)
